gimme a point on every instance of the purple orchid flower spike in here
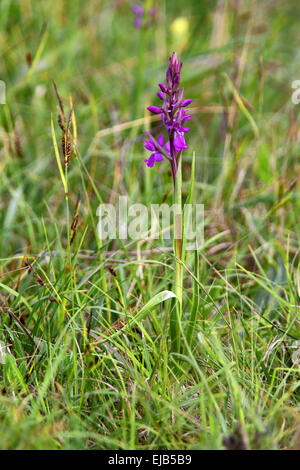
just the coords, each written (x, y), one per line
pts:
(173, 117)
(139, 15)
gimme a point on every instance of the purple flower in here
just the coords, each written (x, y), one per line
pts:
(185, 103)
(179, 144)
(157, 148)
(154, 157)
(154, 109)
(173, 117)
(139, 15)
(163, 87)
(149, 145)
(137, 10)
(161, 140)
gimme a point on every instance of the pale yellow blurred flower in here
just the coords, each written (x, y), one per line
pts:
(180, 33)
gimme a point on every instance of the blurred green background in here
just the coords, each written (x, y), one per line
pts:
(94, 54)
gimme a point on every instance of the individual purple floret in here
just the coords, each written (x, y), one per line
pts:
(157, 149)
(173, 117)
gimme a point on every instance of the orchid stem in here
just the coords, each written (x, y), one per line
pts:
(177, 311)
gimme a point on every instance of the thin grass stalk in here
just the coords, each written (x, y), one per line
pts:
(195, 302)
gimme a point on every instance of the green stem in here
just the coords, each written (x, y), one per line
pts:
(177, 311)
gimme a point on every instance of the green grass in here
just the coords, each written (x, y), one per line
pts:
(68, 380)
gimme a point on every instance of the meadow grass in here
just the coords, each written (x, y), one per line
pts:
(86, 357)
